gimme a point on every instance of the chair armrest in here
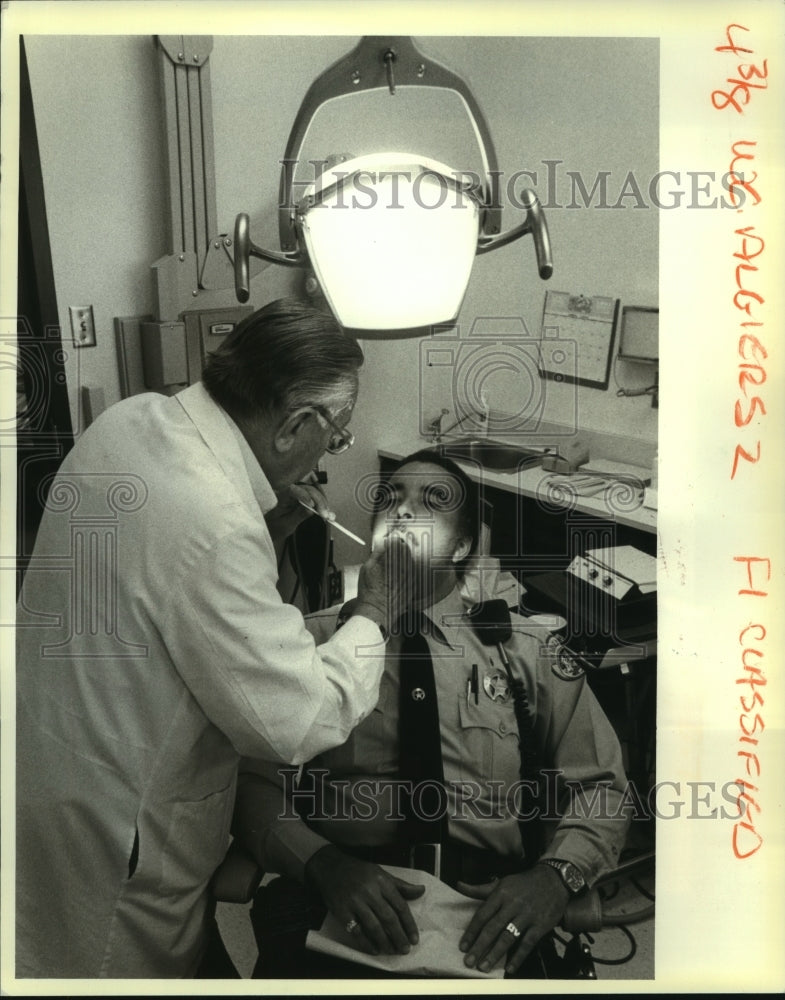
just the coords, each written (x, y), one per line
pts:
(583, 913)
(237, 877)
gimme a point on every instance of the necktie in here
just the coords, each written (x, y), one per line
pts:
(420, 750)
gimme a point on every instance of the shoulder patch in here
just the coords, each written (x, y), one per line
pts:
(564, 664)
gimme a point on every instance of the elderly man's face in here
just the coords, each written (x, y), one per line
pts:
(425, 512)
(326, 431)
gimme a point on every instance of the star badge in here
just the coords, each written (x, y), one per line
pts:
(496, 686)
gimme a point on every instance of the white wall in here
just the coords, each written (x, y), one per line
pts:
(590, 103)
(98, 121)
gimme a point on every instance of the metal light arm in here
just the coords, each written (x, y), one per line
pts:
(244, 249)
(536, 225)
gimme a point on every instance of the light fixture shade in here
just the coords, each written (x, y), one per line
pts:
(391, 238)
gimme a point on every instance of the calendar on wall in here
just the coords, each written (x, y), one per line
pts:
(576, 338)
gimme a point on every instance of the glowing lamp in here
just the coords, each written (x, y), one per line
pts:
(391, 237)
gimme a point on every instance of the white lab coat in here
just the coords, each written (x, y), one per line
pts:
(153, 651)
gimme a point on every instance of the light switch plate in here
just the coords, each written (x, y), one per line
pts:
(82, 326)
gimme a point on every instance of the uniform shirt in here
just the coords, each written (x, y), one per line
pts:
(480, 752)
(154, 650)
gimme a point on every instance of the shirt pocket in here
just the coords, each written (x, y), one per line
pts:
(489, 745)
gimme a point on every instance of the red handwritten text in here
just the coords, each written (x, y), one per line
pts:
(751, 352)
(747, 839)
(748, 72)
(734, 179)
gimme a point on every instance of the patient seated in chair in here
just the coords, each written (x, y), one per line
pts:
(490, 764)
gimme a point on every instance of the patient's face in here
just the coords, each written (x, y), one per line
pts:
(425, 512)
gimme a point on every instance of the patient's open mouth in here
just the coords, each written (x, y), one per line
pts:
(405, 532)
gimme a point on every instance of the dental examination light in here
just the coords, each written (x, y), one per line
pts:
(391, 237)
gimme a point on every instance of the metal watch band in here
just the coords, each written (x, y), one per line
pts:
(570, 874)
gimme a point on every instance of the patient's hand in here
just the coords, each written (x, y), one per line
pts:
(361, 891)
(534, 901)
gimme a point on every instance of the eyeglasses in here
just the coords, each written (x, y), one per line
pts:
(341, 438)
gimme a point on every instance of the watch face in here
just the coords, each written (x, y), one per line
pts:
(575, 881)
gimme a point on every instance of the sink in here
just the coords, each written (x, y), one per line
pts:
(495, 455)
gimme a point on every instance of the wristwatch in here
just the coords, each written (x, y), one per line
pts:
(570, 875)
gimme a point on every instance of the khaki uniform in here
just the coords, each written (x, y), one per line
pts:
(480, 753)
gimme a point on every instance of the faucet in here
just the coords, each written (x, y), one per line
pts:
(435, 426)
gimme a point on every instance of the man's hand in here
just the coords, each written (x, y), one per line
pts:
(289, 512)
(364, 892)
(533, 901)
(386, 584)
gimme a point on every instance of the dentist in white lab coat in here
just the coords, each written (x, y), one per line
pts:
(154, 650)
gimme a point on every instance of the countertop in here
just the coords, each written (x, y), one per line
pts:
(619, 498)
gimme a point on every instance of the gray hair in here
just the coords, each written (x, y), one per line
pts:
(286, 355)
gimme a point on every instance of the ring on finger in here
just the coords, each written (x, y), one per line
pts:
(512, 929)
(352, 926)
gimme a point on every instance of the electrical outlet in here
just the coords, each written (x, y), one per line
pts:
(82, 326)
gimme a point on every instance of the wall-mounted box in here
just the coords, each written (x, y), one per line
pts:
(204, 331)
(173, 354)
(164, 356)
